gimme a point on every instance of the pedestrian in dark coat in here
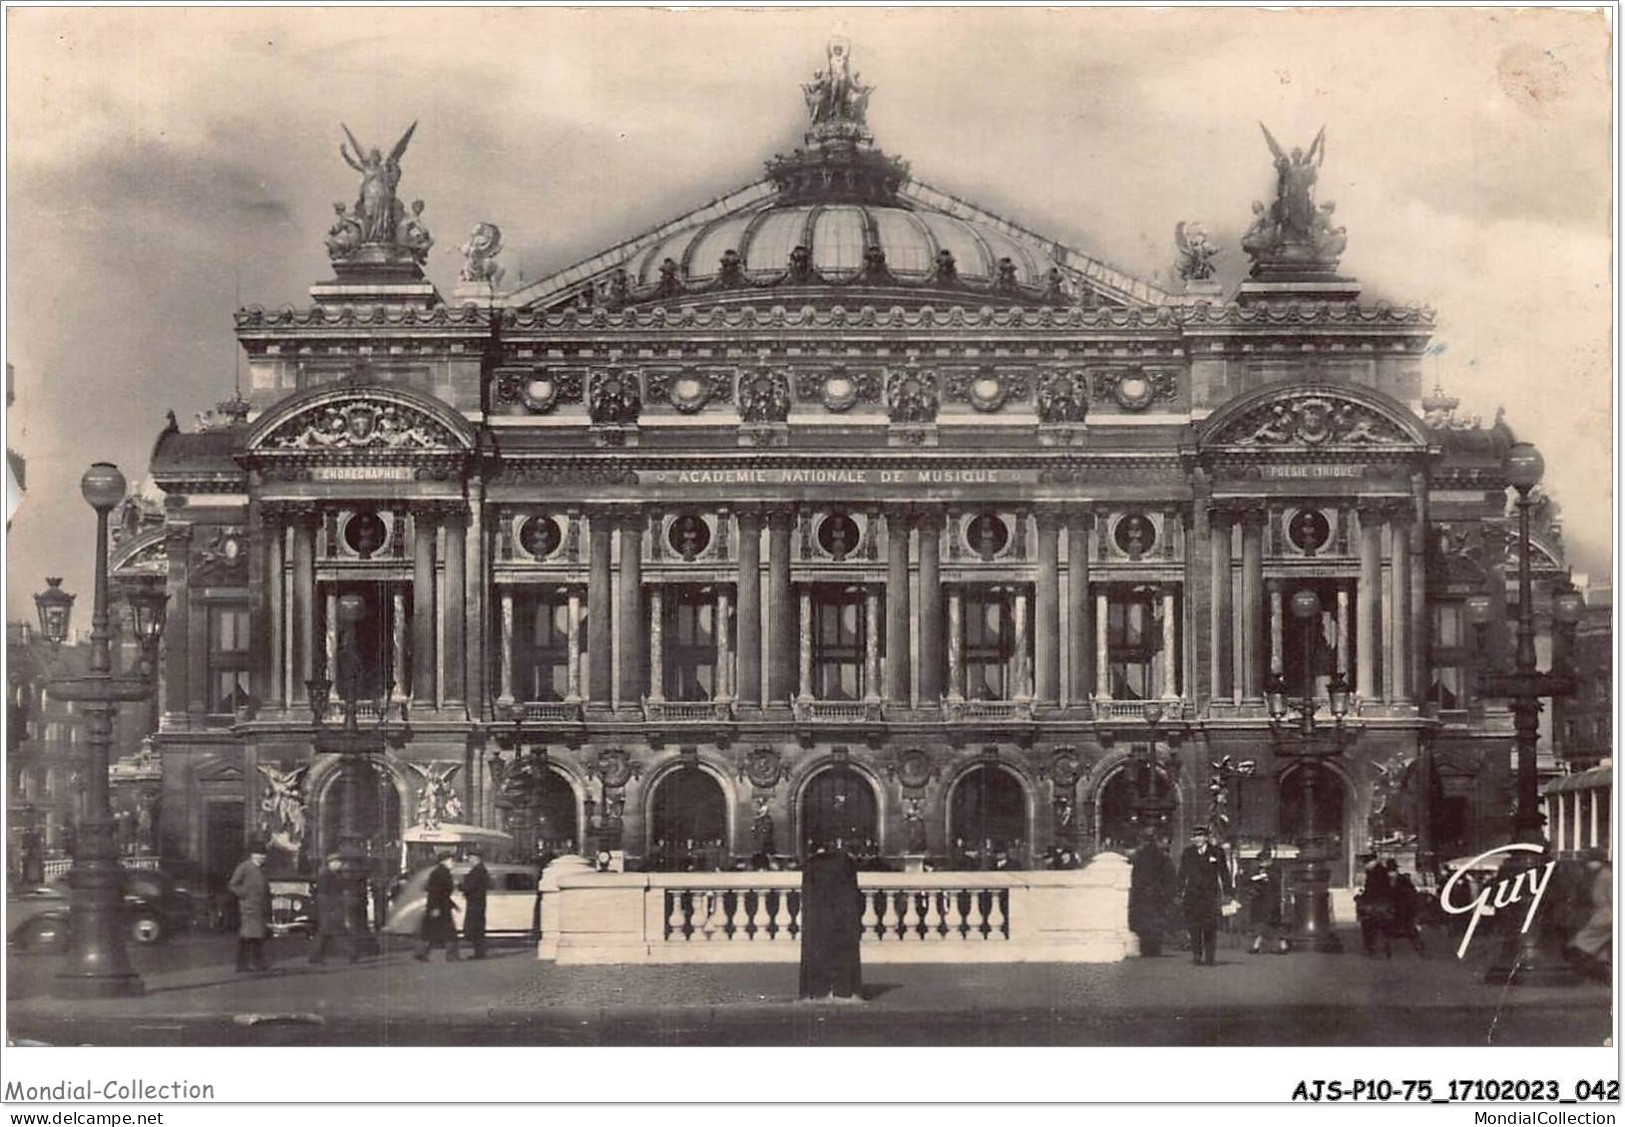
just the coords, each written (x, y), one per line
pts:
(1406, 924)
(1204, 885)
(1264, 903)
(439, 925)
(253, 892)
(831, 927)
(1151, 894)
(1374, 909)
(332, 928)
(476, 883)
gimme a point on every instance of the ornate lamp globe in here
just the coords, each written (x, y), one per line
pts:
(1567, 607)
(148, 609)
(55, 607)
(1525, 466)
(1305, 604)
(103, 486)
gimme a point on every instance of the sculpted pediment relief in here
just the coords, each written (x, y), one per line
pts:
(1314, 418)
(361, 424)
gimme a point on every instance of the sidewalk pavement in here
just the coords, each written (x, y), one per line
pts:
(194, 996)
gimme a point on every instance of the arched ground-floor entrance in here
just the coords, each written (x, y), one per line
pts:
(1313, 787)
(987, 820)
(688, 822)
(1135, 797)
(541, 815)
(360, 797)
(838, 809)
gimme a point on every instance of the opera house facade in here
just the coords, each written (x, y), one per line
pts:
(840, 508)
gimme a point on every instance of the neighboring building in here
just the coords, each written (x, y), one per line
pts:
(1587, 718)
(839, 508)
(45, 746)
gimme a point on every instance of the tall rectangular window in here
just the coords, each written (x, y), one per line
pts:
(1133, 640)
(544, 664)
(990, 643)
(838, 643)
(229, 658)
(690, 642)
(1449, 657)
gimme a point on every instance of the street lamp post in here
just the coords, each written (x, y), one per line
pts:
(98, 966)
(1533, 956)
(1311, 910)
(1152, 802)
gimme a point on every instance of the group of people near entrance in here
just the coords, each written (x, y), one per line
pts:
(341, 911)
(1200, 892)
(1388, 907)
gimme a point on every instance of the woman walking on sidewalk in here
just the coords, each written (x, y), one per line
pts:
(1264, 903)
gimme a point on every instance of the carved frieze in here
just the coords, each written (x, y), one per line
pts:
(1314, 420)
(1134, 388)
(911, 396)
(838, 389)
(690, 389)
(361, 424)
(764, 396)
(987, 389)
(1063, 397)
(539, 390)
(613, 397)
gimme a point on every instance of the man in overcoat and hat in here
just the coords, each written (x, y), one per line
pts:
(439, 925)
(1204, 885)
(253, 892)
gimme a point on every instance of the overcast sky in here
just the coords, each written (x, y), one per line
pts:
(164, 164)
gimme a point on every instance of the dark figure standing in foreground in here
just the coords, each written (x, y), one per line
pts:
(1374, 908)
(1151, 894)
(1264, 903)
(831, 927)
(331, 923)
(1204, 885)
(439, 928)
(476, 882)
(253, 892)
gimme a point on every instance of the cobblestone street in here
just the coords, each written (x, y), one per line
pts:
(195, 997)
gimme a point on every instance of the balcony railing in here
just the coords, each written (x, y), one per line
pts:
(1010, 710)
(838, 711)
(552, 711)
(1172, 709)
(688, 711)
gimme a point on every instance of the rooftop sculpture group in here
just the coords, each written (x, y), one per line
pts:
(376, 228)
(1293, 231)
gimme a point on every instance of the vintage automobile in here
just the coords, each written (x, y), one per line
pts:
(154, 908)
(510, 907)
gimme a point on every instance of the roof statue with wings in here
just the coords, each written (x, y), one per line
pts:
(1293, 229)
(377, 219)
(1196, 251)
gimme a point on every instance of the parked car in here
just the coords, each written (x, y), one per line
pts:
(154, 908)
(510, 906)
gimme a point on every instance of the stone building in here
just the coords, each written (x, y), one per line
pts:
(840, 507)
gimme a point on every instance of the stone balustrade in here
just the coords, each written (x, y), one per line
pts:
(1001, 917)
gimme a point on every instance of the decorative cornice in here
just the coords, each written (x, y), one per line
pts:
(257, 317)
(1307, 313)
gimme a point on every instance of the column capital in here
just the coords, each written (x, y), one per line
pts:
(780, 515)
(1383, 508)
(1253, 518)
(748, 513)
(1050, 518)
(293, 513)
(1081, 517)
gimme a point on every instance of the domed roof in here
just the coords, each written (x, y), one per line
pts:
(838, 237)
(838, 213)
